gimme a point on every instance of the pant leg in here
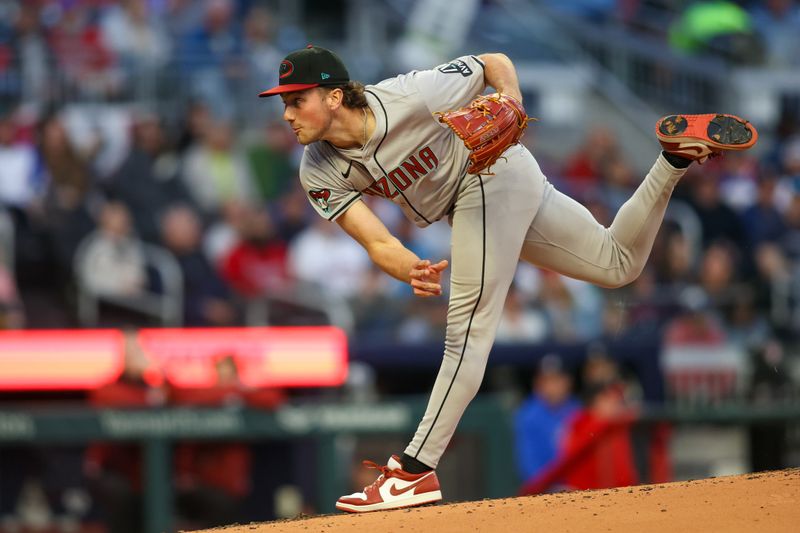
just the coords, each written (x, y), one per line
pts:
(565, 237)
(491, 218)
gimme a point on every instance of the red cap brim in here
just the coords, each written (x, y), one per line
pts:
(288, 88)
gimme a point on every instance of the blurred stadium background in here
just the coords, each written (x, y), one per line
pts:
(144, 190)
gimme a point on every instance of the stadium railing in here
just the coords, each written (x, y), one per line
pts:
(7, 241)
(158, 429)
(643, 75)
(166, 304)
(304, 296)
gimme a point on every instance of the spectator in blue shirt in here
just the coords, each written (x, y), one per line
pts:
(763, 221)
(211, 55)
(776, 22)
(540, 421)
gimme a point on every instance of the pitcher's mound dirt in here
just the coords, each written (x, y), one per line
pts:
(763, 502)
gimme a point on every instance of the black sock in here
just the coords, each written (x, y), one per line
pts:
(676, 160)
(412, 466)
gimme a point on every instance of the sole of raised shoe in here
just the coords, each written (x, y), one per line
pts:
(722, 132)
(412, 501)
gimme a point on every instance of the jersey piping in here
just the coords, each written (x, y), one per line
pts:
(344, 206)
(469, 325)
(375, 157)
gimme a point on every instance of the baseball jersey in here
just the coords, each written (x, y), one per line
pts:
(411, 159)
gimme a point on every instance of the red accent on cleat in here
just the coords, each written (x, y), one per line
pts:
(394, 489)
(696, 137)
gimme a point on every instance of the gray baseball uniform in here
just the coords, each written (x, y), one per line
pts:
(515, 213)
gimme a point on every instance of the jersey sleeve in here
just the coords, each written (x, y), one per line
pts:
(451, 85)
(326, 188)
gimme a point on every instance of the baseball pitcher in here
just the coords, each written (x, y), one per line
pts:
(431, 143)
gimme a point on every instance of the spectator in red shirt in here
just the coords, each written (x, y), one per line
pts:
(599, 437)
(81, 53)
(596, 448)
(257, 263)
(584, 168)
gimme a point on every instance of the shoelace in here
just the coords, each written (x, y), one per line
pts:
(386, 472)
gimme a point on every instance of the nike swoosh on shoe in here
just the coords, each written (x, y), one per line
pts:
(398, 492)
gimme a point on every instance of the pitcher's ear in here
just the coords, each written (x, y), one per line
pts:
(335, 97)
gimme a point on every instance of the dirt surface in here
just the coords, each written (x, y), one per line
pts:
(764, 502)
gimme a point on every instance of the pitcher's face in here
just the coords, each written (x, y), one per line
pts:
(308, 113)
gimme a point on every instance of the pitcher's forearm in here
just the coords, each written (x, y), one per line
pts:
(394, 259)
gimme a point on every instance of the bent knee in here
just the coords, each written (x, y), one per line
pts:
(619, 277)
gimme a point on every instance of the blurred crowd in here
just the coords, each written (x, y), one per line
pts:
(224, 51)
(92, 192)
(154, 50)
(230, 212)
(128, 174)
(751, 32)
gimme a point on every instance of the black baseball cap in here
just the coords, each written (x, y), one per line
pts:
(312, 66)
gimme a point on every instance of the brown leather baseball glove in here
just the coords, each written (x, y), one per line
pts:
(487, 125)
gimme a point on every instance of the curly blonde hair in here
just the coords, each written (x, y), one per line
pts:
(354, 97)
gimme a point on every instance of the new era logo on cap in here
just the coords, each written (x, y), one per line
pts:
(312, 66)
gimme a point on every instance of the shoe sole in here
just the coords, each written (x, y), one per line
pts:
(413, 501)
(721, 132)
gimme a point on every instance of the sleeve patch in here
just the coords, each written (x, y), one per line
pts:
(456, 67)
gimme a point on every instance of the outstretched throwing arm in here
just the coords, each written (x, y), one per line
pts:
(388, 252)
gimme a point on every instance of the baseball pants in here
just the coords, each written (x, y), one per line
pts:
(516, 213)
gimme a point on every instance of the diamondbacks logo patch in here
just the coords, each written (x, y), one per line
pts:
(456, 67)
(285, 69)
(320, 197)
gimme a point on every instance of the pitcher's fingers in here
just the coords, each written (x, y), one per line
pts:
(433, 289)
(425, 294)
(426, 286)
(441, 265)
(418, 273)
(420, 269)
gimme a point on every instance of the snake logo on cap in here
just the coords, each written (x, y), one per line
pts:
(285, 69)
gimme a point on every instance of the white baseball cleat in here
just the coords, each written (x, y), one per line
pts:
(395, 488)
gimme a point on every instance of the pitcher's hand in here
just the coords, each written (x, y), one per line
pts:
(426, 278)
